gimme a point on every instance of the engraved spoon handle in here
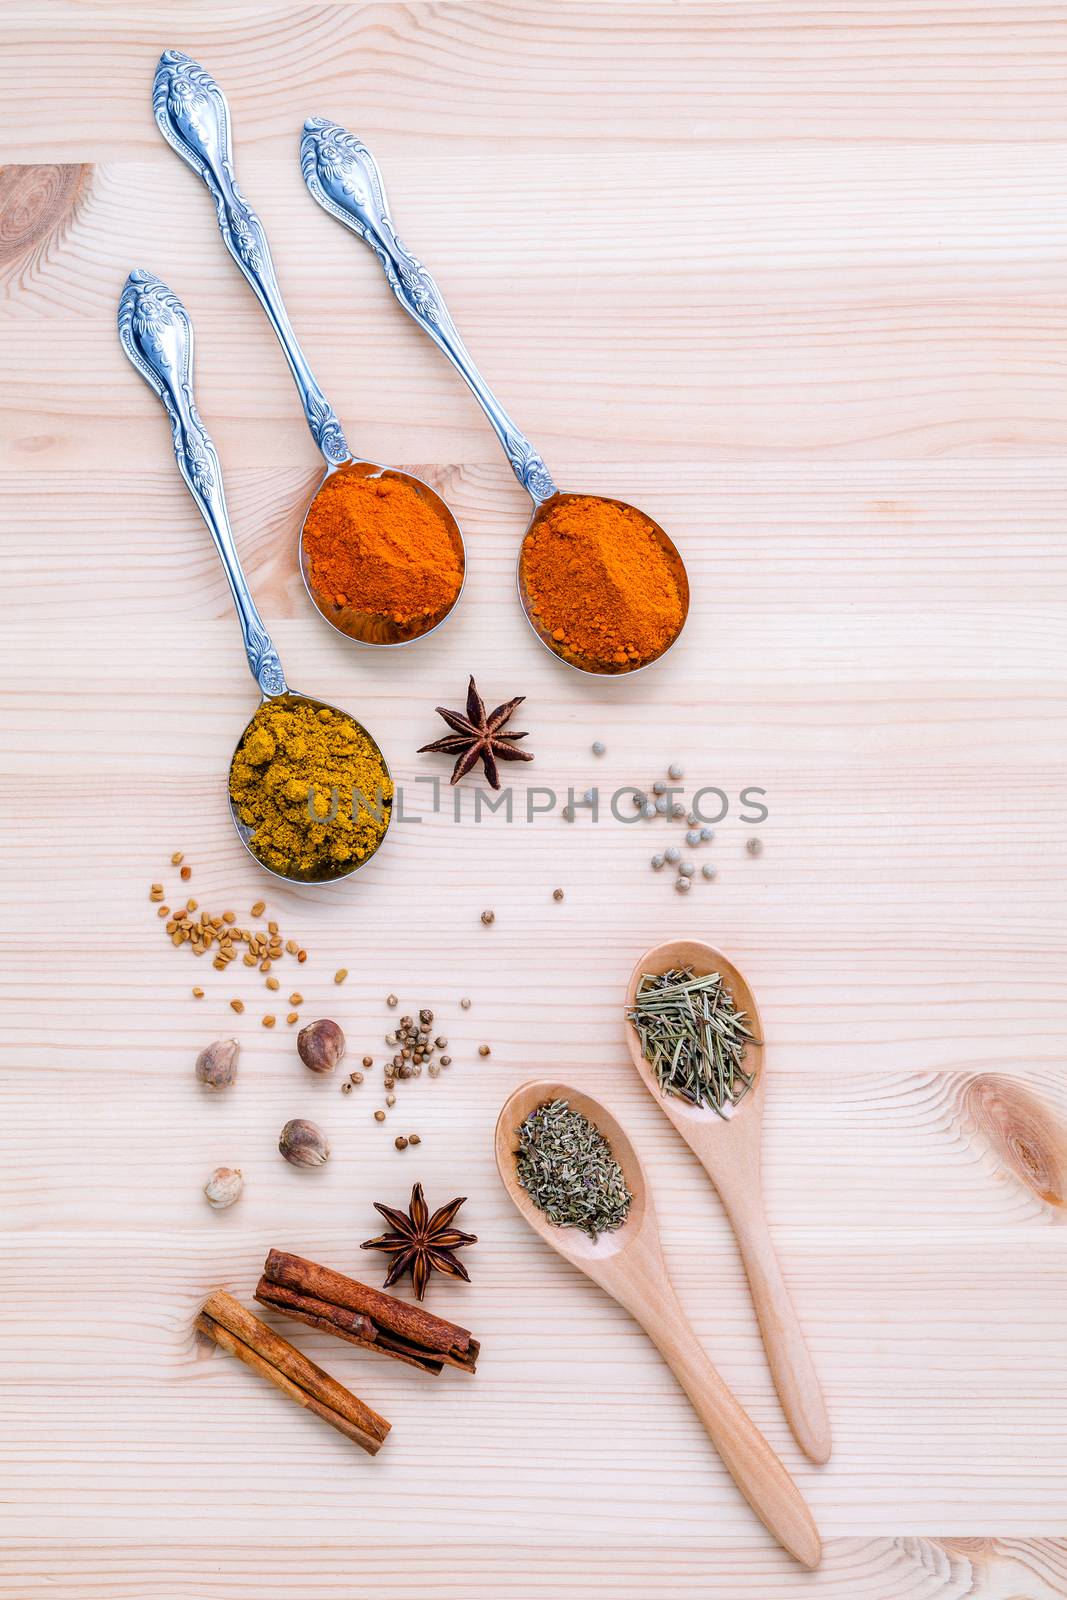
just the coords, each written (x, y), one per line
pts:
(194, 118)
(344, 178)
(157, 336)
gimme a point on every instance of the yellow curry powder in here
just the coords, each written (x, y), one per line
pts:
(297, 758)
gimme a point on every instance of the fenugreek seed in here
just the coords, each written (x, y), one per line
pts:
(258, 909)
(185, 874)
(294, 1016)
(237, 1005)
(446, 1061)
(198, 993)
(301, 955)
(156, 891)
(272, 927)
(391, 1000)
(265, 964)
(465, 1004)
(379, 1116)
(340, 975)
(269, 1021)
(191, 905)
(219, 964)
(390, 1099)
(177, 858)
(557, 894)
(291, 946)
(488, 917)
(164, 911)
(229, 916)
(483, 1050)
(272, 984)
(400, 1142)
(248, 959)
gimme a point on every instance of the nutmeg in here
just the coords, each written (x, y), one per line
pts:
(216, 1067)
(223, 1187)
(320, 1045)
(303, 1144)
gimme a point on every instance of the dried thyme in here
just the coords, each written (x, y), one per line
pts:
(693, 1037)
(566, 1167)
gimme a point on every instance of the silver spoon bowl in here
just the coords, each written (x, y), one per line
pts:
(193, 116)
(157, 337)
(343, 176)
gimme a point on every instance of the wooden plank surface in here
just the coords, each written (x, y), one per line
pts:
(793, 279)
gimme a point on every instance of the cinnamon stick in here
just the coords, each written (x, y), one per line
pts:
(361, 1315)
(224, 1320)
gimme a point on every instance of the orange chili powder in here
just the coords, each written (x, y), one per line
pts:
(600, 584)
(376, 546)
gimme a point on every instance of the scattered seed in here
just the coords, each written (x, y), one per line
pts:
(465, 1004)
(379, 1116)
(198, 993)
(557, 894)
(589, 797)
(156, 892)
(434, 1069)
(598, 747)
(686, 869)
(674, 771)
(683, 885)
(693, 836)
(191, 905)
(177, 858)
(164, 911)
(258, 909)
(294, 1016)
(677, 811)
(269, 1021)
(400, 1142)
(346, 1087)
(707, 870)
(659, 787)
(355, 1077)
(237, 1005)
(414, 1138)
(185, 874)
(390, 1099)
(656, 861)
(340, 975)
(706, 834)
(754, 847)
(391, 1000)
(648, 810)
(672, 855)
(301, 956)
(567, 813)
(441, 1042)
(273, 984)
(483, 1050)
(296, 999)
(488, 917)
(446, 1061)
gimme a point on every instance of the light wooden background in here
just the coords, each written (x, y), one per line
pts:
(793, 277)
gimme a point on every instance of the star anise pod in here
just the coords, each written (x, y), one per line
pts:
(421, 1242)
(478, 736)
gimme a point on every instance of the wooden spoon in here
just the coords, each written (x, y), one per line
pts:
(729, 1152)
(628, 1264)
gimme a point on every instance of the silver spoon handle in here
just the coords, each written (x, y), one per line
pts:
(157, 336)
(344, 178)
(194, 118)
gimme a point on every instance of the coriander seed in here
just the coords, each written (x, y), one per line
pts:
(414, 1138)
(488, 917)
(198, 993)
(391, 1000)
(379, 1116)
(465, 1004)
(557, 894)
(400, 1142)
(483, 1050)
(346, 1087)
(340, 975)
(598, 747)
(390, 1100)
(237, 1005)
(445, 1061)
(754, 847)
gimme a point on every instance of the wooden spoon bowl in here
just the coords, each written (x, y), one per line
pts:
(628, 1264)
(729, 1150)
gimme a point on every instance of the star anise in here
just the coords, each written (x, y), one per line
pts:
(421, 1242)
(478, 736)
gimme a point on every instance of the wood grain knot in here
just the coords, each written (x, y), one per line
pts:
(1023, 1132)
(34, 201)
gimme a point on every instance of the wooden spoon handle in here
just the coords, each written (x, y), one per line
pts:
(788, 1355)
(747, 1456)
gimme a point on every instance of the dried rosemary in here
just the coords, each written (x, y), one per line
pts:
(566, 1166)
(693, 1037)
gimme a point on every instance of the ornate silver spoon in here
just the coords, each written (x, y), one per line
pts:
(194, 118)
(344, 178)
(157, 336)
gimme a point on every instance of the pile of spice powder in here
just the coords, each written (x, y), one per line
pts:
(600, 585)
(296, 757)
(566, 1166)
(377, 547)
